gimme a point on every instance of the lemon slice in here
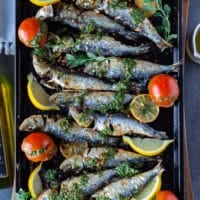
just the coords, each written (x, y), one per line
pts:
(34, 182)
(83, 119)
(44, 2)
(150, 190)
(143, 108)
(38, 96)
(147, 146)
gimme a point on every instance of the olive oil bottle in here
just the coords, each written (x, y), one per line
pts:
(6, 134)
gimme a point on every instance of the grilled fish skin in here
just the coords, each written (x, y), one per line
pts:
(120, 124)
(71, 16)
(92, 182)
(61, 128)
(128, 187)
(55, 77)
(94, 100)
(114, 68)
(123, 16)
(104, 45)
(117, 124)
(102, 157)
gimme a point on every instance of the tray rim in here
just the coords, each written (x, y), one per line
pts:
(178, 109)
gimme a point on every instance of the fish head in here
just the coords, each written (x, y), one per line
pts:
(41, 66)
(32, 123)
(45, 12)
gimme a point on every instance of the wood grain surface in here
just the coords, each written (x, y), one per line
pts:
(187, 178)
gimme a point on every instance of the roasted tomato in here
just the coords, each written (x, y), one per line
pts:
(33, 32)
(38, 146)
(166, 195)
(164, 90)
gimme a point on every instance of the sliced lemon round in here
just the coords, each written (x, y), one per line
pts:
(151, 189)
(34, 182)
(147, 146)
(38, 96)
(143, 108)
(44, 2)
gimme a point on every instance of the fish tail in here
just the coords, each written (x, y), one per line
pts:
(162, 135)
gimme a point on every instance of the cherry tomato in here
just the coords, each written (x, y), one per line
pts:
(32, 32)
(166, 195)
(38, 146)
(164, 90)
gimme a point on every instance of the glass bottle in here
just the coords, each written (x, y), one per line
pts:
(6, 134)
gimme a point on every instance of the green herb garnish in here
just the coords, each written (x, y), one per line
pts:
(164, 11)
(137, 16)
(117, 4)
(90, 27)
(124, 170)
(83, 59)
(23, 195)
(105, 132)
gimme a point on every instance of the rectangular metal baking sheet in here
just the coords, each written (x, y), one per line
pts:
(170, 120)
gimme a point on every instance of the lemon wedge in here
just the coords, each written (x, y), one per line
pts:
(44, 2)
(34, 182)
(38, 96)
(147, 146)
(151, 189)
(143, 108)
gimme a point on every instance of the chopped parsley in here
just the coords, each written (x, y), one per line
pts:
(137, 16)
(125, 171)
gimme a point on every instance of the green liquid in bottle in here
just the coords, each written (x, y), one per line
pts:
(6, 135)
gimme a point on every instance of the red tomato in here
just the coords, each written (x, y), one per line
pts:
(38, 146)
(166, 195)
(164, 90)
(32, 32)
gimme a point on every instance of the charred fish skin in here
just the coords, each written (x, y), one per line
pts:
(92, 181)
(56, 77)
(102, 158)
(120, 124)
(128, 187)
(114, 68)
(60, 127)
(69, 15)
(94, 100)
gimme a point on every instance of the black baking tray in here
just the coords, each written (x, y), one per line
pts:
(170, 120)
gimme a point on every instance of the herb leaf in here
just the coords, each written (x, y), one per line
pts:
(164, 11)
(124, 170)
(82, 59)
(23, 195)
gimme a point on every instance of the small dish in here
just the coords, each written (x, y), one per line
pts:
(193, 45)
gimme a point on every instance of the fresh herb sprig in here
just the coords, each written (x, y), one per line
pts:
(83, 59)
(23, 195)
(163, 11)
(125, 171)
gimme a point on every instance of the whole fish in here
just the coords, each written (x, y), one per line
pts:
(120, 124)
(88, 183)
(115, 68)
(102, 157)
(128, 16)
(115, 124)
(84, 20)
(61, 128)
(127, 187)
(103, 45)
(93, 100)
(59, 77)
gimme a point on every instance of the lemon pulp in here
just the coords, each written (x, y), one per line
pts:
(147, 146)
(44, 2)
(34, 182)
(144, 109)
(38, 96)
